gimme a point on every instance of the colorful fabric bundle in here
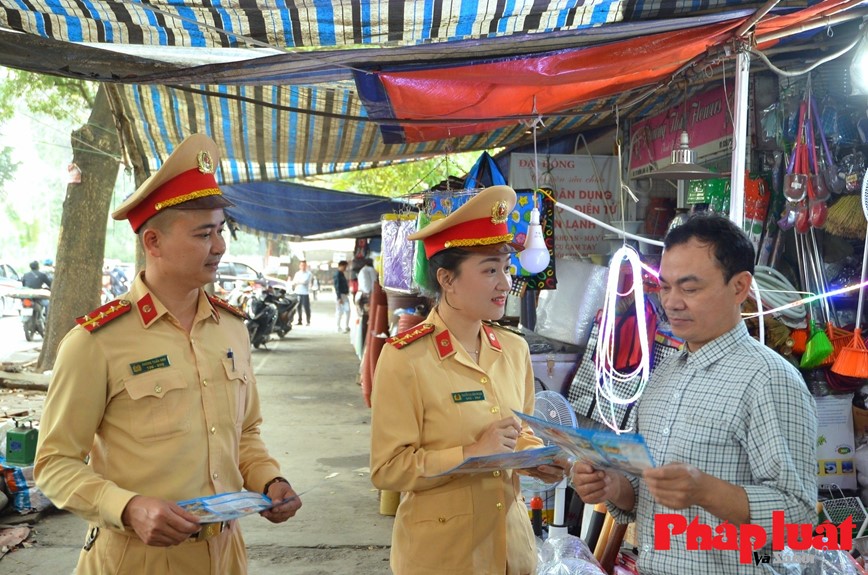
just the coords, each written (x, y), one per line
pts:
(398, 252)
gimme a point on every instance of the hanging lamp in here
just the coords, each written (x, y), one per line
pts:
(535, 256)
(682, 162)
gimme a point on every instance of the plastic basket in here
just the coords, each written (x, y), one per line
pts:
(837, 510)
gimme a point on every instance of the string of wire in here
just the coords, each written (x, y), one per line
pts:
(608, 379)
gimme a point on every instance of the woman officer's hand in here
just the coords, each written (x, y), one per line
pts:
(499, 437)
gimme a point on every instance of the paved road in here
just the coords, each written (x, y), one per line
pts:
(316, 425)
(13, 345)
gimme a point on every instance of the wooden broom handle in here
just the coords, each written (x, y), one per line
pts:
(613, 545)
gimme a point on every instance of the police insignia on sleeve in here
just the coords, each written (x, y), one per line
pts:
(223, 304)
(407, 337)
(104, 314)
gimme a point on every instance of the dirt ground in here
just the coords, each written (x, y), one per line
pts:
(317, 425)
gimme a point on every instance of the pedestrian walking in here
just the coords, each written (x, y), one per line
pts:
(342, 293)
(301, 283)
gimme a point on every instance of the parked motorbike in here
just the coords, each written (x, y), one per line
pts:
(261, 318)
(287, 305)
(33, 312)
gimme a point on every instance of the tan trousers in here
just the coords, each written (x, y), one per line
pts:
(116, 553)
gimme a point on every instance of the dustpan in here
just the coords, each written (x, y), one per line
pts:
(852, 361)
(817, 349)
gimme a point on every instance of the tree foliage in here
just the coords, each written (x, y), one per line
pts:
(32, 202)
(56, 97)
(402, 179)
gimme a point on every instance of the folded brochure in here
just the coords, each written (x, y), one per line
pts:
(514, 460)
(626, 452)
(227, 506)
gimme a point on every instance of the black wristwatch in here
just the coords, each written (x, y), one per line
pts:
(272, 482)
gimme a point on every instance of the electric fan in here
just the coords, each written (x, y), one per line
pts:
(554, 407)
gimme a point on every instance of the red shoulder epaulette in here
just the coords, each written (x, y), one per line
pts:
(407, 337)
(104, 314)
(222, 303)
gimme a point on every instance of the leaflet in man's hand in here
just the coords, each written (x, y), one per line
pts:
(227, 506)
(625, 452)
(525, 459)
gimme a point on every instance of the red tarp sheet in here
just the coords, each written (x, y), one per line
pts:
(544, 84)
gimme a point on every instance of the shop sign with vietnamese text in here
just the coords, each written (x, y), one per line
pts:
(708, 127)
(585, 183)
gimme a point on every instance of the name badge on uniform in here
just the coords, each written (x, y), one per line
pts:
(462, 396)
(149, 364)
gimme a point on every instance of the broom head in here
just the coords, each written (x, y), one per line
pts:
(853, 360)
(839, 338)
(817, 349)
(845, 219)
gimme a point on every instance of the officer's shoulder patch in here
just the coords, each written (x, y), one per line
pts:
(407, 337)
(223, 304)
(104, 314)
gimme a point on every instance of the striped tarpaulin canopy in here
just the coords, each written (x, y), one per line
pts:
(271, 80)
(262, 142)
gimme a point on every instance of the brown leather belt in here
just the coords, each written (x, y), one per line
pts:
(210, 530)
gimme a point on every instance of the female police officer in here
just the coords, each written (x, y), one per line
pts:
(445, 391)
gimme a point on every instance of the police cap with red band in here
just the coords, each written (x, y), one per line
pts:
(478, 225)
(185, 181)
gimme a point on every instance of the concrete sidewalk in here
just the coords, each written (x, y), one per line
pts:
(316, 424)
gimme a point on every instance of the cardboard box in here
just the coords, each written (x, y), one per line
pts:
(836, 445)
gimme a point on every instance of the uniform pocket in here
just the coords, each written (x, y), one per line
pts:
(441, 526)
(237, 375)
(160, 405)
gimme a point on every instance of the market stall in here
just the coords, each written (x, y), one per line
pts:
(802, 203)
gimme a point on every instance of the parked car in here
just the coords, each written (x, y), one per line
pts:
(232, 273)
(9, 281)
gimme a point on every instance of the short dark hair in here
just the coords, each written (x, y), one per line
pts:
(449, 259)
(342, 263)
(730, 245)
(34, 265)
(369, 261)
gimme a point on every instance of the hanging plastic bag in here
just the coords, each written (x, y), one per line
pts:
(567, 555)
(791, 562)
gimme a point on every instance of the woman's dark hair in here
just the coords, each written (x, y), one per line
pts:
(449, 259)
(732, 249)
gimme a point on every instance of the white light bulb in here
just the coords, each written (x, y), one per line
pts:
(535, 256)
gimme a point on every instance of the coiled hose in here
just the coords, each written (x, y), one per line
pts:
(777, 292)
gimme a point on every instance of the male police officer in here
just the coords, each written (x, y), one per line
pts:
(160, 391)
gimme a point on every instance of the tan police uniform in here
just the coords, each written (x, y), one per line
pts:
(161, 413)
(429, 400)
